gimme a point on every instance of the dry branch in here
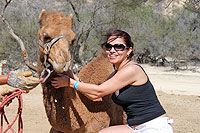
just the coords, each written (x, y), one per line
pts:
(17, 38)
(169, 4)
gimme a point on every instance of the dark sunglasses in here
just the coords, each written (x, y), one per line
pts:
(117, 47)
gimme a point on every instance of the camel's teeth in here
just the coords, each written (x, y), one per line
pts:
(55, 101)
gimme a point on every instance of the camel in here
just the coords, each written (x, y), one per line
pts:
(68, 110)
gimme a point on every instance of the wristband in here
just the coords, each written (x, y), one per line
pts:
(76, 85)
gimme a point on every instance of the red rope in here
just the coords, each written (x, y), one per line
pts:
(15, 94)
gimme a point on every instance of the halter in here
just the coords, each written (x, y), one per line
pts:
(47, 47)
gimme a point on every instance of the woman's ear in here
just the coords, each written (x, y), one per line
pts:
(129, 51)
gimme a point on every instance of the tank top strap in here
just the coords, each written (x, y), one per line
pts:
(143, 70)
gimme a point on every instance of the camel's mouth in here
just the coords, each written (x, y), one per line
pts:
(57, 68)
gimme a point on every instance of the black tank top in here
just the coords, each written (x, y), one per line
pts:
(139, 102)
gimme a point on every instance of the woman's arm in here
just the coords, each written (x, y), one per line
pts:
(92, 91)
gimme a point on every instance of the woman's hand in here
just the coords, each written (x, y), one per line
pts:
(60, 81)
(23, 80)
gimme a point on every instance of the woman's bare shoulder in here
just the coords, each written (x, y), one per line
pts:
(132, 67)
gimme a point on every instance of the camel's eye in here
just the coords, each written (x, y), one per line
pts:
(47, 39)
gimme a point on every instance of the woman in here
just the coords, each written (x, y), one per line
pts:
(130, 87)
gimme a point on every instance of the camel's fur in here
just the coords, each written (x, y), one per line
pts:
(68, 110)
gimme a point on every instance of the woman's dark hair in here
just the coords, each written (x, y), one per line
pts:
(121, 34)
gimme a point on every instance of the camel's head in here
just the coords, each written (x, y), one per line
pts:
(56, 36)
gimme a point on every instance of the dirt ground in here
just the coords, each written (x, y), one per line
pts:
(179, 93)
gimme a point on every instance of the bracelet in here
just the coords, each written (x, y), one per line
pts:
(76, 85)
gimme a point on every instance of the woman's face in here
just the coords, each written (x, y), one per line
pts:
(116, 50)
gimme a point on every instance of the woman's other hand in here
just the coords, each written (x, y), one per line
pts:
(23, 80)
(60, 81)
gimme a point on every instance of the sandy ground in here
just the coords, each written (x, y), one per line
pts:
(179, 93)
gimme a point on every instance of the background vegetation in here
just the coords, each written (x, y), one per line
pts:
(168, 28)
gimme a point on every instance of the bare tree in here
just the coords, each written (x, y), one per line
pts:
(16, 37)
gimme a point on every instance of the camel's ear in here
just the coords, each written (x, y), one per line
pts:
(42, 15)
(71, 35)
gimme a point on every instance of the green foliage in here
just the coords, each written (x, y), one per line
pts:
(163, 35)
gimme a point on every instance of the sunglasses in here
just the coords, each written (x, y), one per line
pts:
(117, 47)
